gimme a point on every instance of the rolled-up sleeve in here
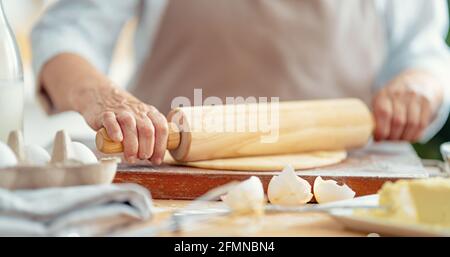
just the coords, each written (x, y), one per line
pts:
(416, 32)
(89, 28)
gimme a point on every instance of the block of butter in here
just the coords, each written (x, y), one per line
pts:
(421, 201)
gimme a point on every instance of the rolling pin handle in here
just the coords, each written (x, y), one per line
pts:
(174, 139)
(106, 145)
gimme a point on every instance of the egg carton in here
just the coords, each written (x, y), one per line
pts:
(71, 164)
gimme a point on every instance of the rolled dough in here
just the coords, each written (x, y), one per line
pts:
(300, 161)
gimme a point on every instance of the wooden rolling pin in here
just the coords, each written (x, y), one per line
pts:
(212, 132)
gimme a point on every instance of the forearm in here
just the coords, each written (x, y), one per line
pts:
(72, 48)
(416, 41)
(70, 81)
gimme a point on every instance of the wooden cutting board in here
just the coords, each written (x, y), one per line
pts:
(365, 170)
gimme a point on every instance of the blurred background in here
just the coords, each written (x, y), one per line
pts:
(23, 13)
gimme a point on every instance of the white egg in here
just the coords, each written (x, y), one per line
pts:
(36, 155)
(83, 154)
(66, 152)
(7, 156)
(246, 197)
(326, 191)
(289, 189)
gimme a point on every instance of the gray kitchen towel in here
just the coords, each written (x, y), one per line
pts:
(93, 210)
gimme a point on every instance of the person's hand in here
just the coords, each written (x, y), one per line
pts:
(72, 83)
(141, 128)
(406, 106)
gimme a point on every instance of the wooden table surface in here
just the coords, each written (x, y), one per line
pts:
(285, 224)
(365, 171)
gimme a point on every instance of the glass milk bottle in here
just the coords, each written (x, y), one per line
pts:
(11, 80)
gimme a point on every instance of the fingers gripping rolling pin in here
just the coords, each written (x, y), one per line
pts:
(210, 132)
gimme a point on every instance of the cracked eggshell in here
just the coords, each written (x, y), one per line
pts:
(36, 155)
(289, 189)
(7, 156)
(326, 191)
(246, 197)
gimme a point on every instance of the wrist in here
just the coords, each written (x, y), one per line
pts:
(90, 92)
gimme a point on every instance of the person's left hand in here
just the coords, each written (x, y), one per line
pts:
(406, 105)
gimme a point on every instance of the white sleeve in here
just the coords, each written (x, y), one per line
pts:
(89, 28)
(416, 32)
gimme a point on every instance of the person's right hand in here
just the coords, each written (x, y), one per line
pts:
(141, 128)
(72, 83)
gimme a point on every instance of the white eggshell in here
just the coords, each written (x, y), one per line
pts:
(83, 154)
(326, 191)
(7, 156)
(246, 197)
(36, 155)
(289, 189)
